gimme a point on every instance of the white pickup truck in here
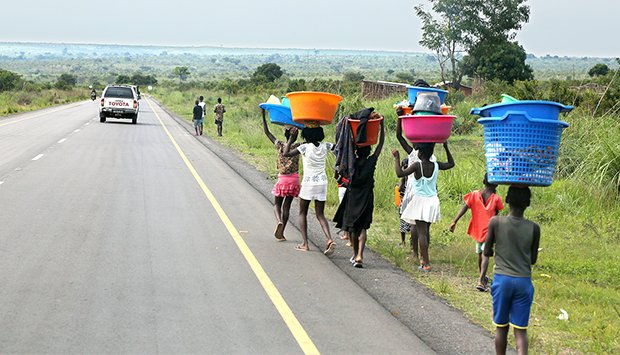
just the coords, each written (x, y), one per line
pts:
(119, 101)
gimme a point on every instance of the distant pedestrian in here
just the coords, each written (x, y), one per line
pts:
(197, 118)
(314, 183)
(516, 241)
(219, 110)
(202, 104)
(287, 187)
(484, 204)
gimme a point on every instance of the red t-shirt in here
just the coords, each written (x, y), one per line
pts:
(481, 213)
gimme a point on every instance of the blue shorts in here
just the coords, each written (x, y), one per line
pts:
(512, 300)
(198, 122)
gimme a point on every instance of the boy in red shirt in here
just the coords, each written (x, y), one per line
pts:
(484, 204)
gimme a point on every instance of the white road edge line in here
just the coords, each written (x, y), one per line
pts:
(77, 130)
(62, 140)
(38, 157)
(1, 182)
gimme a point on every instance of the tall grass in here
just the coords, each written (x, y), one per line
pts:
(12, 102)
(578, 264)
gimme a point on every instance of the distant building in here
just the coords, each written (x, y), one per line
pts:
(466, 90)
(381, 89)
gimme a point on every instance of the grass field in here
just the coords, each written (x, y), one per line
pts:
(579, 264)
(12, 102)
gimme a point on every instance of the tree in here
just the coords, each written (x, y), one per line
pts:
(390, 72)
(599, 69)
(123, 79)
(66, 81)
(181, 72)
(503, 60)
(353, 76)
(267, 73)
(9, 80)
(405, 77)
(456, 26)
(140, 79)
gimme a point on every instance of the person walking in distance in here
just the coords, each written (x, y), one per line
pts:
(202, 104)
(197, 118)
(219, 110)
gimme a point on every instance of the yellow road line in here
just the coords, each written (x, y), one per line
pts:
(298, 331)
(37, 115)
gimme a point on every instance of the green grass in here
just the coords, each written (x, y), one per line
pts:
(578, 268)
(12, 102)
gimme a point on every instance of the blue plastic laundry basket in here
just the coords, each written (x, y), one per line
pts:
(280, 115)
(520, 149)
(413, 91)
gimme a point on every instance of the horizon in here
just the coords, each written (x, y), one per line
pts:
(198, 46)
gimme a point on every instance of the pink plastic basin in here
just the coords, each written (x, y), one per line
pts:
(427, 129)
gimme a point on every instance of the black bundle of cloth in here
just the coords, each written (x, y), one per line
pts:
(363, 116)
(344, 149)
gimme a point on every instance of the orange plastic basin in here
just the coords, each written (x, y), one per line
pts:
(308, 106)
(407, 110)
(372, 131)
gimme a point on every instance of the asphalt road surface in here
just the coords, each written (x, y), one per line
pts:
(121, 238)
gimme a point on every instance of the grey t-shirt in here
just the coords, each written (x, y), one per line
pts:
(514, 244)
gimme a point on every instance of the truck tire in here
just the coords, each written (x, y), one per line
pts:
(134, 119)
(102, 118)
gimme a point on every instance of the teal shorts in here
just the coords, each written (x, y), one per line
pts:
(479, 247)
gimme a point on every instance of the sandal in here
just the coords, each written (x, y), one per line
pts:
(330, 248)
(425, 268)
(279, 232)
(301, 248)
(358, 265)
(481, 287)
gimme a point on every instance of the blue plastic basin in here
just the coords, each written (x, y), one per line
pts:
(280, 115)
(414, 90)
(536, 109)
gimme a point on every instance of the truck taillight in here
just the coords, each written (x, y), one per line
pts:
(101, 102)
(135, 103)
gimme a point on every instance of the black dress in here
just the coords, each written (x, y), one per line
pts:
(355, 211)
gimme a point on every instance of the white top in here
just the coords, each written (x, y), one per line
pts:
(314, 162)
(202, 104)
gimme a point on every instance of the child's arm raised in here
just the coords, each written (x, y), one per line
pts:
(458, 216)
(381, 140)
(399, 135)
(287, 147)
(266, 129)
(450, 164)
(399, 170)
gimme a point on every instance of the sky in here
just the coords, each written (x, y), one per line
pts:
(556, 27)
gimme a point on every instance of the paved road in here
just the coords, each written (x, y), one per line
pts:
(120, 238)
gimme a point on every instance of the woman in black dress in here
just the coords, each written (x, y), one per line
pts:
(355, 212)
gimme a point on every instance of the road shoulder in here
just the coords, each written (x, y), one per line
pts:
(444, 328)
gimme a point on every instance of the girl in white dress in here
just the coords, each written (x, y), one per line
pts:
(423, 209)
(314, 182)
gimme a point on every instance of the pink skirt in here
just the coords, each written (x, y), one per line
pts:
(287, 185)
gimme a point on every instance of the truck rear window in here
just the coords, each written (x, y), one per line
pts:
(121, 93)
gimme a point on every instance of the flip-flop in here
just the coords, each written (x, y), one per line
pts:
(283, 239)
(358, 265)
(300, 248)
(352, 260)
(330, 248)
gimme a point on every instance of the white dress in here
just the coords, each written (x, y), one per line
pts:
(314, 181)
(424, 205)
(409, 193)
